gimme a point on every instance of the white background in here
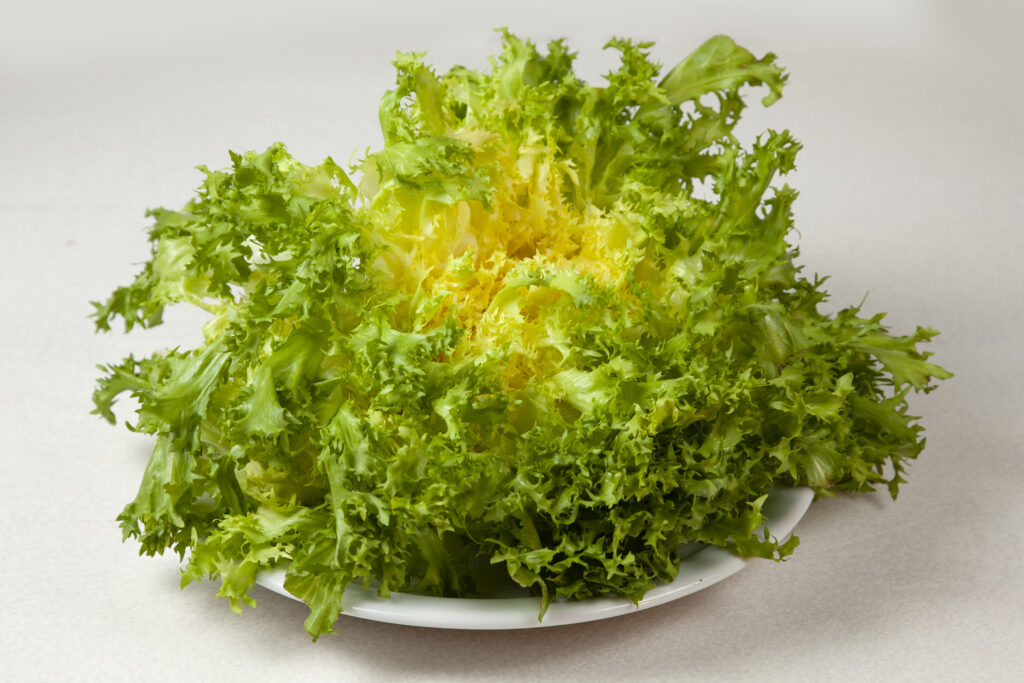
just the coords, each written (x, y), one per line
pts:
(911, 192)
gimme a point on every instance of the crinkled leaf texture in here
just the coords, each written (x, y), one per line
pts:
(552, 332)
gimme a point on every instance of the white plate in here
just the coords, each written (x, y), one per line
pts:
(783, 509)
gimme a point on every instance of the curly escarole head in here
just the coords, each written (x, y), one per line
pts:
(554, 329)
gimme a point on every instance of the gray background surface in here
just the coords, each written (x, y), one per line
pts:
(911, 191)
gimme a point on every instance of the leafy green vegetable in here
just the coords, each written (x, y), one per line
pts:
(555, 328)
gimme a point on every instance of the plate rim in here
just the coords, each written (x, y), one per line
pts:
(783, 510)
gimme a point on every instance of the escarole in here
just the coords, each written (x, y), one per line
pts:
(550, 328)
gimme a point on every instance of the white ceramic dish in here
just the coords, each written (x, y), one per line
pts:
(783, 509)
